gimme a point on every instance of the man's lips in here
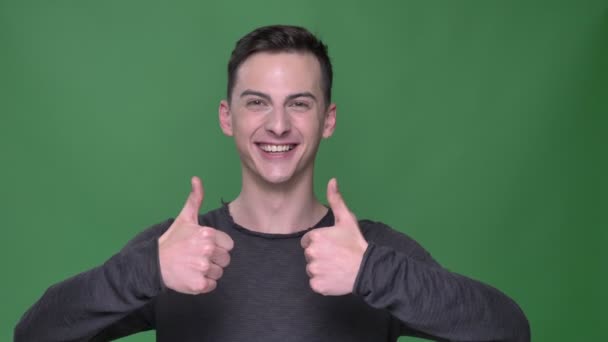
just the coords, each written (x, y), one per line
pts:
(276, 147)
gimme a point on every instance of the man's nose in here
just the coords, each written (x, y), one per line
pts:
(278, 122)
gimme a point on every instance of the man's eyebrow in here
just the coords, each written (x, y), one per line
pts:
(304, 94)
(255, 93)
(289, 97)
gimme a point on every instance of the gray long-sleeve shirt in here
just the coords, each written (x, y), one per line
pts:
(264, 295)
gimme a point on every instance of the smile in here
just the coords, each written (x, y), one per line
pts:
(276, 148)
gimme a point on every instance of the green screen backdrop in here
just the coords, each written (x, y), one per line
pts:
(478, 128)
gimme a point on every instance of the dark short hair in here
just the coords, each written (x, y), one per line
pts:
(281, 38)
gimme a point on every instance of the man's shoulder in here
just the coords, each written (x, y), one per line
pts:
(151, 232)
(382, 234)
(378, 231)
(214, 218)
(218, 218)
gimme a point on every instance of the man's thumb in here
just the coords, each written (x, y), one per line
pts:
(336, 202)
(193, 203)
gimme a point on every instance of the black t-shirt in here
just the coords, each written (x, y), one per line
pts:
(264, 295)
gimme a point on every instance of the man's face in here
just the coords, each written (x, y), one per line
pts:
(277, 115)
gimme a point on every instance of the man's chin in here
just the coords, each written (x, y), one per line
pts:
(277, 179)
(277, 176)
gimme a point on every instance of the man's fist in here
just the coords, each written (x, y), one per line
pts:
(334, 254)
(193, 257)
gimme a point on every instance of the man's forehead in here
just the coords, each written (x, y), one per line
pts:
(286, 71)
(272, 56)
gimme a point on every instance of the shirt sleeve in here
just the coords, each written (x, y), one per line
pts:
(108, 301)
(398, 275)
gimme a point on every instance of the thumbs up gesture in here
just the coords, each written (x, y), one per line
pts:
(334, 254)
(193, 257)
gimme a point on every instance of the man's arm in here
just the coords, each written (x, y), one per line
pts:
(110, 300)
(101, 300)
(391, 271)
(398, 275)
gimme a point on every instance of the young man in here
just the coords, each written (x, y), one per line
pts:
(274, 264)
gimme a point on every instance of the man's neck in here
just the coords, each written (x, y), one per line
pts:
(277, 208)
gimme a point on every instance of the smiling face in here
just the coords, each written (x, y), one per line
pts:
(277, 115)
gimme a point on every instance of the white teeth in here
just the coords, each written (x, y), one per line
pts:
(276, 148)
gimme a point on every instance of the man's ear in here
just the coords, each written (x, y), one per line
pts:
(330, 121)
(225, 118)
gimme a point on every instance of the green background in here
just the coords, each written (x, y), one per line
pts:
(479, 128)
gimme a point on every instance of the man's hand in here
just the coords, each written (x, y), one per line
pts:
(193, 257)
(334, 254)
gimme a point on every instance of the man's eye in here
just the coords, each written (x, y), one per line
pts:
(300, 105)
(256, 103)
